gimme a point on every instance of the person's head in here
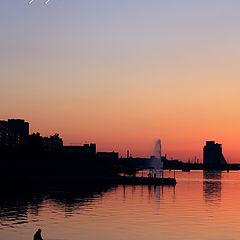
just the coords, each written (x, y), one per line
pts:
(39, 230)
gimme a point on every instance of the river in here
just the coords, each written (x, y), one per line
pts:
(203, 205)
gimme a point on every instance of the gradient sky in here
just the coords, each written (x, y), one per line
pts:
(124, 73)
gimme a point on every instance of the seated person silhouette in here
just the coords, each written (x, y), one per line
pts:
(37, 235)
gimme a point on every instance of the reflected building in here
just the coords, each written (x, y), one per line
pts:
(212, 186)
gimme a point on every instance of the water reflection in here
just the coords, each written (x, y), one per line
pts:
(125, 212)
(23, 203)
(17, 202)
(157, 192)
(212, 186)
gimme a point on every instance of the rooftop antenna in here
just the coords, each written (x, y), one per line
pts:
(127, 153)
(160, 150)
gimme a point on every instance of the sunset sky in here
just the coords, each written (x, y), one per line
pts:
(123, 73)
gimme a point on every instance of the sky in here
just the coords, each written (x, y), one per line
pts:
(124, 73)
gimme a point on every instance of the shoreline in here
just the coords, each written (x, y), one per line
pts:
(120, 180)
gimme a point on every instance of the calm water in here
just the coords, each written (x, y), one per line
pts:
(201, 206)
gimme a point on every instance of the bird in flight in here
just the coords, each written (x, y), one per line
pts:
(31, 1)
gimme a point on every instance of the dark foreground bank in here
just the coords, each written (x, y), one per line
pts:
(124, 180)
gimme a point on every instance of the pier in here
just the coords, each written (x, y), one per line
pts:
(120, 180)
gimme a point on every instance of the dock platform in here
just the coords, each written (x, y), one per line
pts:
(120, 180)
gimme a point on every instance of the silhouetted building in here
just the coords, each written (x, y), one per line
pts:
(34, 143)
(138, 163)
(3, 133)
(53, 143)
(85, 150)
(18, 131)
(13, 132)
(108, 155)
(91, 147)
(212, 155)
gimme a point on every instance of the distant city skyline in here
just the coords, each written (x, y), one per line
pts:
(125, 73)
(15, 133)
